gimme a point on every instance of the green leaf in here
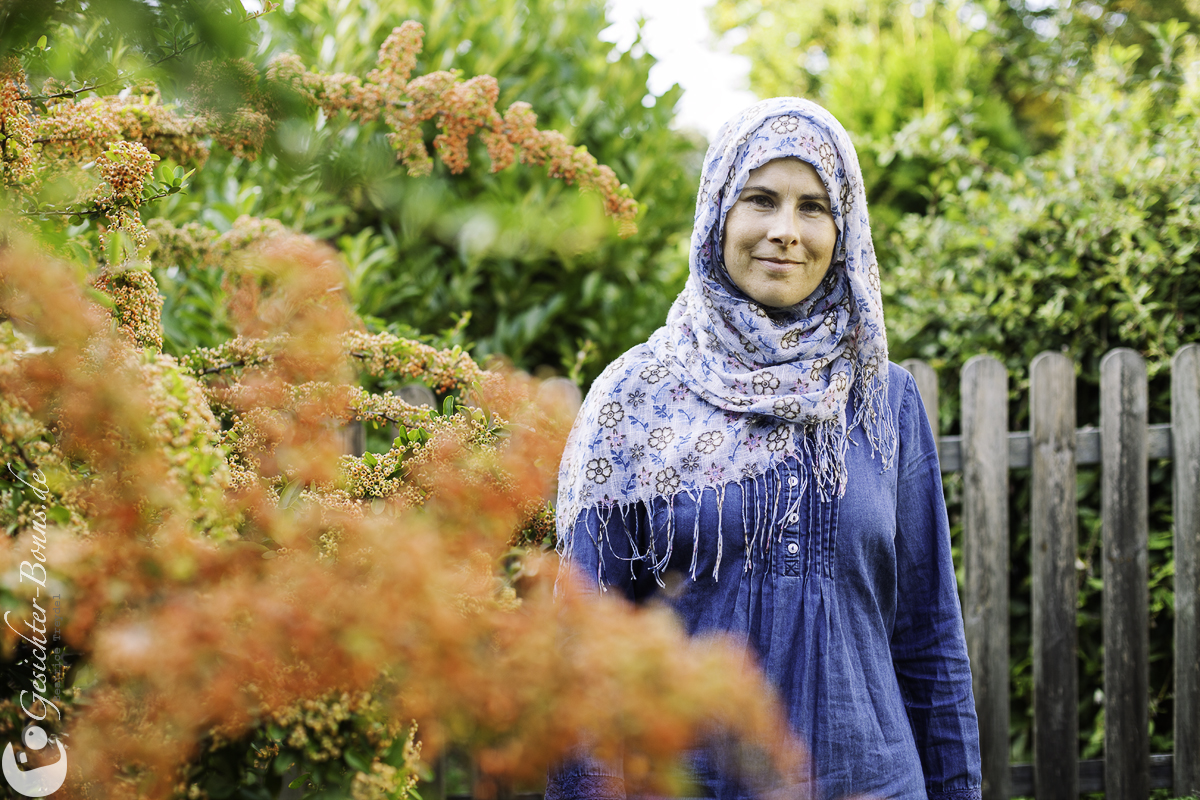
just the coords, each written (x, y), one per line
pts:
(356, 761)
(98, 297)
(41, 42)
(300, 781)
(370, 460)
(290, 493)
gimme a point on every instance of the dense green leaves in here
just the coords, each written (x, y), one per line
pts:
(109, 43)
(1087, 247)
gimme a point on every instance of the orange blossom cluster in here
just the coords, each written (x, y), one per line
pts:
(460, 109)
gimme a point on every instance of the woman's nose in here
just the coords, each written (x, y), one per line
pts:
(784, 230)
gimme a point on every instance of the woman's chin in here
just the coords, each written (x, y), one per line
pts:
(778, 299)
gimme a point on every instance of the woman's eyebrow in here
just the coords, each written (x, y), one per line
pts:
(775, 195)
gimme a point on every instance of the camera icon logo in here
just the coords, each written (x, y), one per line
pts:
(40, 781)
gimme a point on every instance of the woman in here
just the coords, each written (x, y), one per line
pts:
(761, 455)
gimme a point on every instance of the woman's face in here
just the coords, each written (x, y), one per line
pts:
(780, 233)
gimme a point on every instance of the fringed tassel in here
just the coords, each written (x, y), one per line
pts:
(871, 414)
(775, 509)
(747, 533)
(720, 536)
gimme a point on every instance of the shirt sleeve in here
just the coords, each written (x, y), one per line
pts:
(601, 552)
(928, 644)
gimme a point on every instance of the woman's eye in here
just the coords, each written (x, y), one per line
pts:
(761, 200)
(812, 208)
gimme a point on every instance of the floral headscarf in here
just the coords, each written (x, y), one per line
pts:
(724, 391)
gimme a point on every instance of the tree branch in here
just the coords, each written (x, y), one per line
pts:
(221, 368)
(73, 93)
(96, 211)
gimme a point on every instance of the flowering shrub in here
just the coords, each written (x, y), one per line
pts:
(234, 597)
(130, 133)
(461, 108)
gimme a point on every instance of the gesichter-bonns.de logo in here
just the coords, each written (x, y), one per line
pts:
(48, 778)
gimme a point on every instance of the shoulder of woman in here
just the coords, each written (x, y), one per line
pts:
(901, 385)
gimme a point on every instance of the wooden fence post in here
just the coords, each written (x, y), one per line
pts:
(985, 556)
(1185, 446)
(1124, 528)
(927, 387)
(1054, 532)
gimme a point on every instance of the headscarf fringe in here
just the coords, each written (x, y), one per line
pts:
(756, 526)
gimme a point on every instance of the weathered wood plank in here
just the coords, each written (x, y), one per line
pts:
(927, 386)
(1054, 535)
(950, 453)
(1091, 775)
(1087, 447)
(985, 556)
(1126, 618)
(1158, 441)
(1185, 430)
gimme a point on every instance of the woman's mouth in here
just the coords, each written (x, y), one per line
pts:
(777, 265)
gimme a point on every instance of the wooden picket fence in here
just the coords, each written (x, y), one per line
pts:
(1123, 444)
(1052, 449)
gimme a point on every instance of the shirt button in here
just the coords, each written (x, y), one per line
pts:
(793, 481)
(793, 548)
(793, 518)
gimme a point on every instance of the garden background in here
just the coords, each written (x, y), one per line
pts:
(224, 238)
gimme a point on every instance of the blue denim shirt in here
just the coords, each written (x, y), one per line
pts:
(850, 605)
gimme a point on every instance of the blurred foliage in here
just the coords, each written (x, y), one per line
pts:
(991, 75)
(537, 267)
(105, 43)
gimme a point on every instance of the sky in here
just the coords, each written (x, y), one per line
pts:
(715, 82)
